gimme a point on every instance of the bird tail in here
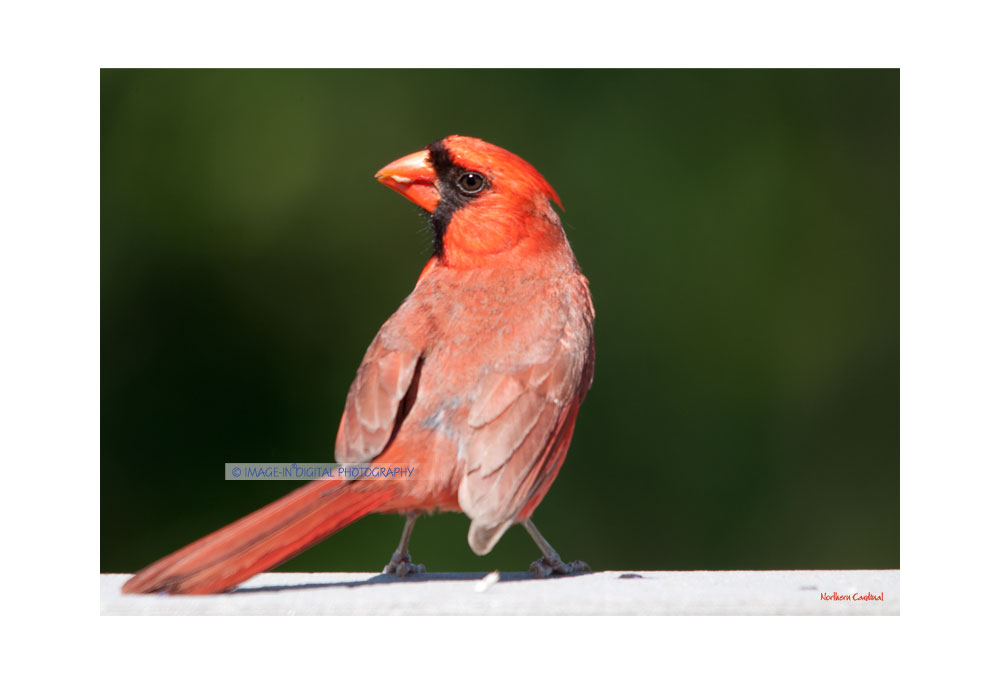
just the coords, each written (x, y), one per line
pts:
(263, 539)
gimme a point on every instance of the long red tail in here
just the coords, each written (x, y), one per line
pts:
(263, 539)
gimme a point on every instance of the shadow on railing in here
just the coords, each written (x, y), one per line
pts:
(393, 579)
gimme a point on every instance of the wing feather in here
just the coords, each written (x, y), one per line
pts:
(514, 445)
(373, 402)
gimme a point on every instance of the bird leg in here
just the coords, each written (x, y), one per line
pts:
(400, 563)
(550, 563)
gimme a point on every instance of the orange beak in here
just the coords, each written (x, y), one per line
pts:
(414, 178)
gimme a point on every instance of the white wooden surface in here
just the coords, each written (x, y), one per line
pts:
(778, 592)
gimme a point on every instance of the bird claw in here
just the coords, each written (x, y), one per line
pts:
(401, 566)
(553, 565)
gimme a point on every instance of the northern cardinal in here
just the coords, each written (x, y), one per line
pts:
(475, 381)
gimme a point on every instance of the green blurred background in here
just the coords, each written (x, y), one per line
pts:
(740, 230)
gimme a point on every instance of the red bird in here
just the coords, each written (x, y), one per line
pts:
(475, 381)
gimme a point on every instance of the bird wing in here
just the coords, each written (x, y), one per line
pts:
(523, 415)
(379, 396)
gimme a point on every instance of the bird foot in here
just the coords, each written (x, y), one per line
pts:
(401, 566)
(553, 565)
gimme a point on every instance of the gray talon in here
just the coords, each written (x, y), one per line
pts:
(401, 566)
(553, 565)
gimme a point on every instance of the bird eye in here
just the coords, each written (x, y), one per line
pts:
(470, 182)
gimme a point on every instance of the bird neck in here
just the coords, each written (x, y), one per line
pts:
(493, 235)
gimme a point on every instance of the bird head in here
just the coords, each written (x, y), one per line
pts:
(482, 199)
